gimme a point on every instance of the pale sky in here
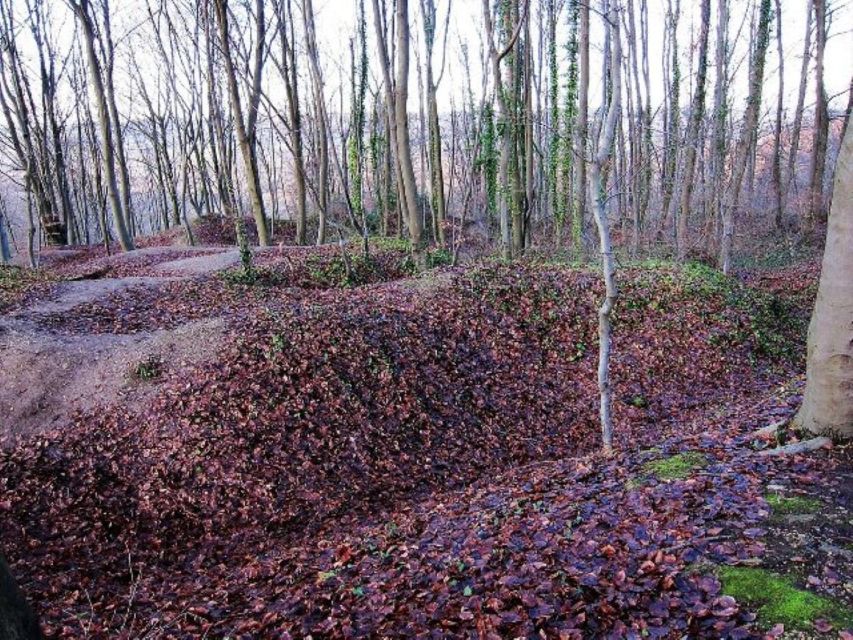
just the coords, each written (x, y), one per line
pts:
(335, 20)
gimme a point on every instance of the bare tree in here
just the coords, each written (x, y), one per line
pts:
(692, 148)
(401, 116)
(748, 131)
(246, 128)
(597, 187)
(82, 10)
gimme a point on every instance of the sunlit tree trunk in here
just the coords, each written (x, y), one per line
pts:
(828, 402)
(404, 150)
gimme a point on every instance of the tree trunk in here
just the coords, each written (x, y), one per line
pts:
(108, 148)
(250, 165)
(608, 264)
(697, 113)
(322, 120)
(401, 116)
(291, 86)
(747, 135)
(718, 138)
(579, 207)
(817, 212)
(17, 621)
(828, 401)
(778, 203)
(790, 175)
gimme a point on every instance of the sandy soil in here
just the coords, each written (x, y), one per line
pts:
(48, 377)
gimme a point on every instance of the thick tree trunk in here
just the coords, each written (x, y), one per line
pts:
(828, 400)
(17, 621)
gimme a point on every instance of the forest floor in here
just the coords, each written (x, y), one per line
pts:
(381, 454)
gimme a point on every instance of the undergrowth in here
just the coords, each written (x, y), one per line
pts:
(15, 282)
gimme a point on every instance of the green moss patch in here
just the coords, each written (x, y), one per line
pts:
(776, 599)
(783, 505)
(676, 467)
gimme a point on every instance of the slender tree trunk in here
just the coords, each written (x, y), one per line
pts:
(776, 169)
(321, 119)
(718, 138)
(748, 132)
(240, 126)
(291, 87)
(581, 132)
(81, 9)
(693, 146)
(597, 187)
(790, 174)
(404, 151)
(817, 211)
(121, 157)
(439, 205)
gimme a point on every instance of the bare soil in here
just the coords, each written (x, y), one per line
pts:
(49, 377)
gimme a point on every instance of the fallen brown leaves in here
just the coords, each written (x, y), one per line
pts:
(405, 461)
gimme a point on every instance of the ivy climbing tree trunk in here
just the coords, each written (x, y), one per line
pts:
(580, 133)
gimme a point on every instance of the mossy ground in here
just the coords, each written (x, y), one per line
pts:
(790, 505)
(676, 467)
(777, 599)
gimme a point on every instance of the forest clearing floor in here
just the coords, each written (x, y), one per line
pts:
(340, 449)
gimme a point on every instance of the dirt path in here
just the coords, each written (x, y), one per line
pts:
(48, 377)
(201, 264)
